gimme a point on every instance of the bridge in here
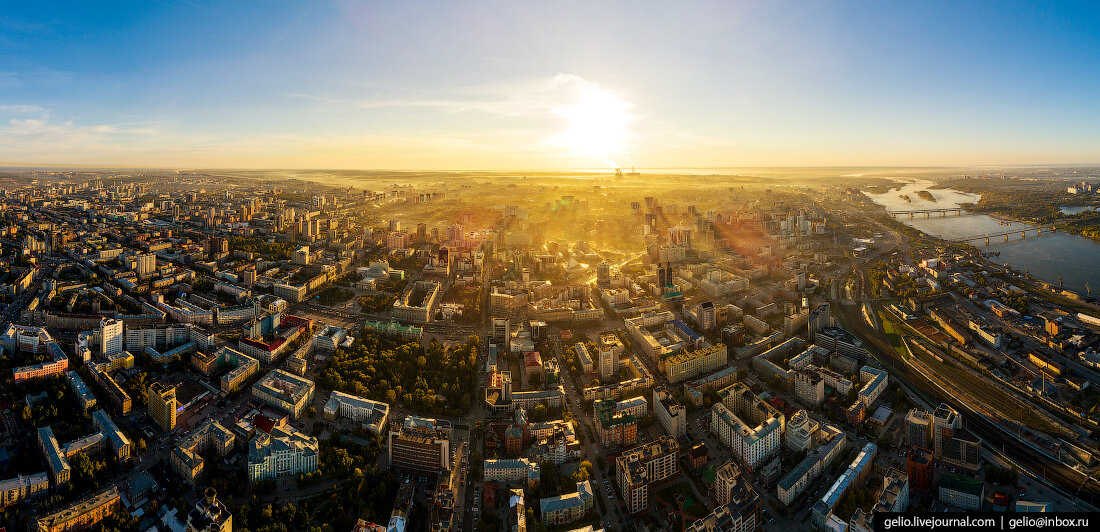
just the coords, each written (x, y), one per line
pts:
(1022, 232)
(928, 212)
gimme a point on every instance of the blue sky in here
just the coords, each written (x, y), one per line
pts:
(517, 85)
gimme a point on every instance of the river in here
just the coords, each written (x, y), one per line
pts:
(1075, 258)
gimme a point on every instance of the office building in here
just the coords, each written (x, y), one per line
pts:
(420, 444)
(281, 453)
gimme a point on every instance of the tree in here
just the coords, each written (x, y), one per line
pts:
(535, 380)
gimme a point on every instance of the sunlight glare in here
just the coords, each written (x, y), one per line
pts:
(596, 125)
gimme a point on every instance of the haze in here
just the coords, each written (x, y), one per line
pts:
(433, 85)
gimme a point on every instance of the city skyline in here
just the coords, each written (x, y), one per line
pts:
(497, 86)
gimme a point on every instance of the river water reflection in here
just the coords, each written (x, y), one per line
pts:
(1075, 258)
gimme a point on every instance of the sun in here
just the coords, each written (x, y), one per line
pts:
(596, 125)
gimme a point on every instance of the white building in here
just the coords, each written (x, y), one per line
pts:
(373, 414)
(112, 339)
(670, 414)
(750, 427)
(284, 452)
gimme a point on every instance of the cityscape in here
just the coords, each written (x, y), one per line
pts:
(408, 330)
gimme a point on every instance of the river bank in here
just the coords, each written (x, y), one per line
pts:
(1059, 257)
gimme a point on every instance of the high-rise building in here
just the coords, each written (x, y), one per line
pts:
(163, 404)
(146, 264)
(945, 421)
(112, 339)
(301, 256)
(603, 274)
(664, 274)
(918, 428)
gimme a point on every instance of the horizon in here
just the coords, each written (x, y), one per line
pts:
(499, 86)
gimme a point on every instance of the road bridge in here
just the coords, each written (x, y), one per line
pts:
(1022, 232)
(928, 212)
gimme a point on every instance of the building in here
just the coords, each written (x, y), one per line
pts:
(22, 487)
(918, 428)
(329, 338)
(371, 414)
(614, 425)
(609, 349)
(112, 339)
(687, 364)
(242, 367)
(282, 452)
(584, 358)
(816, 462)
(19, 339)
(669, 413)
(146, 264)
(894, 497)
(511, 470)
(56, 460)
(270, 337)
(115, 394)
(418, 303)
(83, 514)
(420, 444)
(209, 514)
(642, 466)
(567, 508)
(301, 256)
(809, 387)
(187, 458)
(919, 469)
(801, 433)
(284, 391)
(81, 390)
(961, 492)
(747, 425)
(737, 506)
(952, 443)
(163, 405)
(853, 476)
(118, 441)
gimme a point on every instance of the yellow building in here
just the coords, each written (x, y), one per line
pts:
(163, 404)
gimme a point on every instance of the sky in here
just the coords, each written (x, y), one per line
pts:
(513, 85)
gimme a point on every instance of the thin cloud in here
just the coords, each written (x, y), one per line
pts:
(514, 99)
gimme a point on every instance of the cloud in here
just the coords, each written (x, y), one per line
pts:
(511, 98)
(20, 109)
